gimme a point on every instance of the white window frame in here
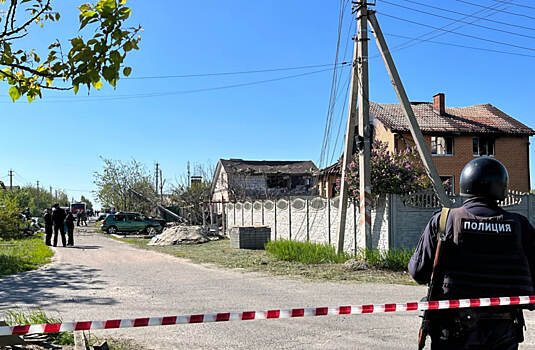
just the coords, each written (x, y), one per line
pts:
(444, 154)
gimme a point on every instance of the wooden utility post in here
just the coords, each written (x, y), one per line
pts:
(409, 113)
(364, 125)
(157, 173)
(10, 180)
(348, 148)
(360, 95)
(37, 196)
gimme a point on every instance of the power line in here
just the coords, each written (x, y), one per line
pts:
(197, 75)
(414, 41)
(334, 87)
(457, 33)
(472, 16)
(460, 21)
(514, 4)
(459, 45)
(170, 93)
(486, 7)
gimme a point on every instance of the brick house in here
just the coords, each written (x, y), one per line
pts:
(454, 135)
(238, 179)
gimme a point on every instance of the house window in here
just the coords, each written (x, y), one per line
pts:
(483, 146)
(274, 181)
(442, 145)
(448, 182)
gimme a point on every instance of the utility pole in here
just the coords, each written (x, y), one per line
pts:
(10, 179)
(156, 187)
(189, 175)
(360, 94)
(348, 147)
(364, 125)
(161, 185)
(37, 196)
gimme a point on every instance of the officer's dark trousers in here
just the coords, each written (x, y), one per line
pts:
(489, 335)
(48, 234)
(70, 234)
(61, 229)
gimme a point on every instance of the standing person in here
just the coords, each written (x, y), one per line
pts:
(486, 252)
(78, 217)
(48, 226)
(58, 218)
(84, 218)
(69, 222)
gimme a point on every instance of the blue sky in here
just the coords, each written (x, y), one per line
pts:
(59, 140)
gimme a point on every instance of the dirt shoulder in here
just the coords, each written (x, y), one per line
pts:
(220, 254)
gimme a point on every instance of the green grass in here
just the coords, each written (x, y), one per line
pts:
(23, 255)
(306, 252)
(20, 317)
(219, 253)
(395, 259)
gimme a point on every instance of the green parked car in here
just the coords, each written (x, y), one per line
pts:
(129, 222)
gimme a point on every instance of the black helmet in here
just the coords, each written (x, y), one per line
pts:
(484, 177)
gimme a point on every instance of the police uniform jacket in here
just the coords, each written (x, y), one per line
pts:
(488, 252)
(48, 219)
(58, 216)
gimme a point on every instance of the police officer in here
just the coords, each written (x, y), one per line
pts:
(488, 252)
(58, 218)
(69, 222)
(48, 226)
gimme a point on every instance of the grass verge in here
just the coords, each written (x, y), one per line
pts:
(20, 317)
(305, 252)
(220, 253)
(23, 254)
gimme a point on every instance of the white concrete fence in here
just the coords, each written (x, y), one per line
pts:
(397, 221)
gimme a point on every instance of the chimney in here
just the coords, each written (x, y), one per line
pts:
(439, 103)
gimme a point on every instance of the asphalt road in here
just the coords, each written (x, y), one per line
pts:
(102, 279)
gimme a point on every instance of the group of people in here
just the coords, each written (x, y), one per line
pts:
(58, 220)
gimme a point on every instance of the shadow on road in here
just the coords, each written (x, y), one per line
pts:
(66, 283)
(85, 247)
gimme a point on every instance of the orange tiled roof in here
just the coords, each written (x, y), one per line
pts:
(484, 118)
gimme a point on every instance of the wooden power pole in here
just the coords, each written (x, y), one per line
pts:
(157, 173)
(359, 93)
(37, 196)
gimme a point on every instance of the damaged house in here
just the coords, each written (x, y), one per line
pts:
(238, 179)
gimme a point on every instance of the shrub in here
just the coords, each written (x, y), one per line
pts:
(10, 223)
(394, 259)
(391, 172)
(305, 252)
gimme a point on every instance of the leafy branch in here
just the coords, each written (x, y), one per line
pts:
(87, 62)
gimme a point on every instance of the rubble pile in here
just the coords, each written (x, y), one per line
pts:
(182, 234)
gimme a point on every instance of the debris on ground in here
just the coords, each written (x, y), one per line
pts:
(356, 265)
(182, 234)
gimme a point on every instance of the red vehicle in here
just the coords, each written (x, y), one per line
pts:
(78, 208)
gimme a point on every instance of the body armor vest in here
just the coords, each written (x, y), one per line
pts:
(485, 257)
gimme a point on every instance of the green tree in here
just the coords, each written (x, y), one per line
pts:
(10, 223)
(26, 197)
(115, 180)
(81, 61)
(88, 203)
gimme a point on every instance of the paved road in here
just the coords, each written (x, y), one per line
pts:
(104, 279)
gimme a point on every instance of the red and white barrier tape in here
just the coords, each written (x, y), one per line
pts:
(262, 315)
